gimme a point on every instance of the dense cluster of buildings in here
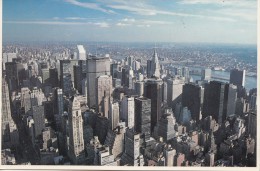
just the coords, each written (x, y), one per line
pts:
(83, 109)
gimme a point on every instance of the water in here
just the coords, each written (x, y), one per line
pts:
(250, 82)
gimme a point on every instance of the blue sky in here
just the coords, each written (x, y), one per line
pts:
(215, 21)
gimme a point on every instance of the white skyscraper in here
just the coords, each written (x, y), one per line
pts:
(95, 68)
(128, 111)
(174, 90)
(81, 52)
(206, 74)
(114, 114)
(76, 141)
(103, 94)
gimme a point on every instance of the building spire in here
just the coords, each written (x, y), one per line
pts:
(155, 68)
(155, 56)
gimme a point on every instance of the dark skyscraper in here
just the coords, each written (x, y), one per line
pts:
(191, 98)
(153, 91)
(39, 121)
(252, 124)
(67, 75)
(214, 100)
(77, 78)
(237, 77)
(143, 116)
(149, 68)
(58, 106)
(54, 79)
(15, 74)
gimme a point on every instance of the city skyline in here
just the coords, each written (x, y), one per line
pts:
(123, 21)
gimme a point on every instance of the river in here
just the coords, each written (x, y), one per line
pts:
(250, 82)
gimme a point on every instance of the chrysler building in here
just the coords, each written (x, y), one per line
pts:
(153, 66)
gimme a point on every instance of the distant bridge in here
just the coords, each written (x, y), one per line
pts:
(220, 78)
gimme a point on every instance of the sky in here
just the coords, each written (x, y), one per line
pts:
(210, 21)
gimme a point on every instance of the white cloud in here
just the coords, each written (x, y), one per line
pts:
(143, 25)
(249, 15)
(234, 3)
(141, 22)
(89, 5)
(75, 18)
(128, 20)
(45, 22)
(99, 24)
(156, 22)
(102, 24)
(146, 11)
(235, 9)
(122, 24)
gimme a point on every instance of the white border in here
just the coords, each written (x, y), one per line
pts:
(71, 167)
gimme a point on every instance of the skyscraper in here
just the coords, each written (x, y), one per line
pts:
(153, 91)
(6, 110)
(77, 70)
(149, 68)
(54, 79)
(81, 52)
(82, 55)
(143, 116)
(67, 75)
(8, 57)
(231, 99)
(174, 90)
(114, 114)
(103, 94)
(45, 76)
(25, 99)
(139, 88)
(155, 65)
(165, 126)
(128, 111)
(76, 141)
(252, 127)
(214, 101)
(206, 74)
(191, 98)
(186, 74)
(95, 68)
(10, 134)
(84, 86)
(132, 155)
(58, 106)
(237, 77)
(114, 69)
(15, 74)
(39, 120)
